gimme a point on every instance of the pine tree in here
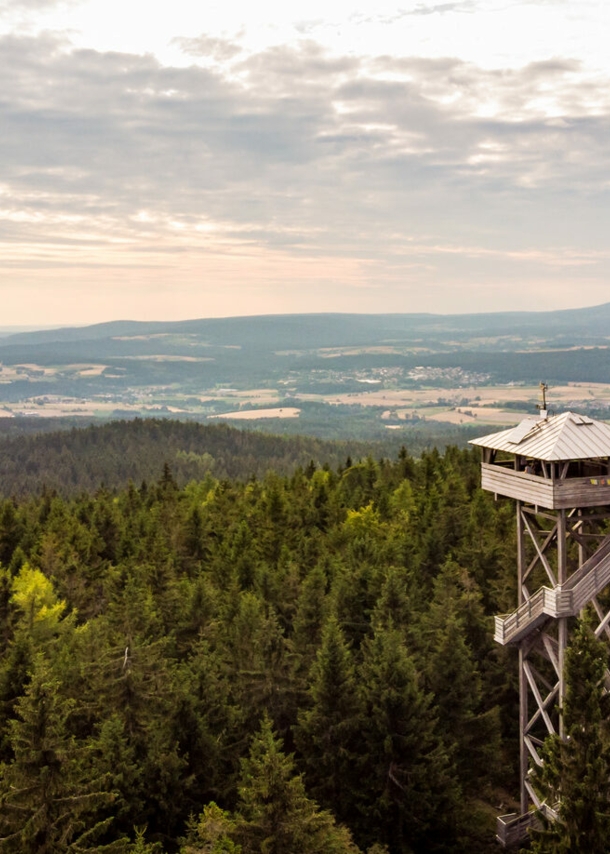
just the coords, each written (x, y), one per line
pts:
(575, 776)
(275, 816)
(212, 833)
(11, 531)
(309, 617)
(395, 604)
(48, 805)
(34, 595)
(408, 793)
(472, 733)
(327, 732)
(14, 675)
(6, 611)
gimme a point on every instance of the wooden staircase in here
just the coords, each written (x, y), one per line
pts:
(565, 600)
(513, 829)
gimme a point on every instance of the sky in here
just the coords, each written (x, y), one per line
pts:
(174, 160)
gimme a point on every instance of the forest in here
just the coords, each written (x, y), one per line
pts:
(214, 640)
(72, 459)
(290, 663)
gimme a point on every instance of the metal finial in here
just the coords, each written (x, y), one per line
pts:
(542, 406)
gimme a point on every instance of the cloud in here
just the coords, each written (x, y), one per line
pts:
(205, 46)
(441, 8)
(419, 10)
(109, 157)
(34, 6)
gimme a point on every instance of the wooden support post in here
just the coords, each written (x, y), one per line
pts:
(582, 555)
(563, 642)
(520, 555)
(523, 717)
(562, 633)
(523, 684)
(562, 557)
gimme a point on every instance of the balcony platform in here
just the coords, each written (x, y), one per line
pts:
(543, 492)
(513, 830)
(564, 600)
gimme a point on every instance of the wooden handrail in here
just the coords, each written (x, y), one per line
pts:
(512, 829)
(562, 601)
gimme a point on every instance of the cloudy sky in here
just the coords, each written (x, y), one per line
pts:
(166, 160)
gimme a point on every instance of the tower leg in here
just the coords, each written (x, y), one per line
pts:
(562, 636)
(562, 628)
(523, 712)
(523, 687)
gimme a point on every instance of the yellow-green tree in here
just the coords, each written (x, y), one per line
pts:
(35, 597)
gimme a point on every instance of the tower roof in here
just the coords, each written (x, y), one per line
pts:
(559, 438)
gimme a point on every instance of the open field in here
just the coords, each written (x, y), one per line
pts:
(474, 404)
(479, 395)
(256, 414)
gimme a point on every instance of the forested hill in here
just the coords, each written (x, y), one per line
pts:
(113, 454)
(312, 331)
(297, 664)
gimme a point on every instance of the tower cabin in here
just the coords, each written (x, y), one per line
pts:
(557, 469)
(558, 463)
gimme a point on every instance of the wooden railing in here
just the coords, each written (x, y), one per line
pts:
(513, 829)
(552, 494)
(562, 601)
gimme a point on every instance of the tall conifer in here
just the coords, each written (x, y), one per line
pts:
(48, 803)
(408, 794)
(575, 776)
(328, 731)
(274, 813)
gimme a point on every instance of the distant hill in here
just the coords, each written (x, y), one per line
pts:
(311, 331)
(245, 351)
(320, 364)
(112, 454)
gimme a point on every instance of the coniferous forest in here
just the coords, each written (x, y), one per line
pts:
(290, 664)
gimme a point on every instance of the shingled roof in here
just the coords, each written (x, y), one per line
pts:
(568, 436)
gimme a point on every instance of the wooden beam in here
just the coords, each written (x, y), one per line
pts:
(538, 698)
(551, 652)
(533, 753)
(604, 620)
(603, 626)
(540, 551)
(549, 699)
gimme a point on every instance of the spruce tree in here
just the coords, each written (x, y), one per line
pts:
(328, 731)
(395, 604)
(472, 733)
(575, 776)
(407, 789)
(48, 802)
(275, 816)
(211, 833)
(309, 618)
(15, 667)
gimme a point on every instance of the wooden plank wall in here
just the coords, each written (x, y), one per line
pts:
(553, 495)
(517, 484)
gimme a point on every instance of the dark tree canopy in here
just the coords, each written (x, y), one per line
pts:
(251, 665)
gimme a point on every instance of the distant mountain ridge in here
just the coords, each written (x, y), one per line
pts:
(328, 330)
(317, 366)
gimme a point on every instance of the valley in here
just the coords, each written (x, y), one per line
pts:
(314, 374)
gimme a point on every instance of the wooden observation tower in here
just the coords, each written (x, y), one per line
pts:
(557, 469)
